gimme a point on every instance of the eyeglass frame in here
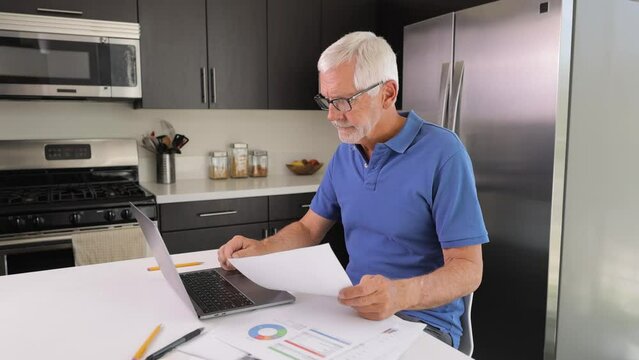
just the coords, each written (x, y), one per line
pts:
(319, 98)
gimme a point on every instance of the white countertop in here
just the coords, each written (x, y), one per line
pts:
(206, 189)
(105, 311)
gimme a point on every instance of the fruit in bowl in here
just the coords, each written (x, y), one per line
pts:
(304, 167)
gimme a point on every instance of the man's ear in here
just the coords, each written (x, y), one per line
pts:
(390, 90)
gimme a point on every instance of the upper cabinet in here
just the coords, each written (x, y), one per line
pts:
(237, 54)
(112, 10)
(293, 49)
(240, 54)
(199, 54)
(173, 54)
(341, 17)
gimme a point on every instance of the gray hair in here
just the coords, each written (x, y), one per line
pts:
(374, 59)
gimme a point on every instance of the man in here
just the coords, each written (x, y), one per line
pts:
(404, 191)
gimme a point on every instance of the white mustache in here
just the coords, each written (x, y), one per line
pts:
(337, 124)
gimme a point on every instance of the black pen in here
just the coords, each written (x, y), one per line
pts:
(158, 354)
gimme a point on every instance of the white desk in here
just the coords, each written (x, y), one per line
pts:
(106, 311)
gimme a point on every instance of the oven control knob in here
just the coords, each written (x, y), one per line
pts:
(126, 214)
(38, 221)
(110, 215)
(75, 218)
(19, 222)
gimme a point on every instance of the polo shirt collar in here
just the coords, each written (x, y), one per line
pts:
(400, 142)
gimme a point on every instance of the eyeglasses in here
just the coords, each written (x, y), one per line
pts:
(341, 104)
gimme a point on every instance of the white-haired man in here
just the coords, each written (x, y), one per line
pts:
(404, 191)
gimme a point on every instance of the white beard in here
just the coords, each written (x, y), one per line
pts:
(350, 134)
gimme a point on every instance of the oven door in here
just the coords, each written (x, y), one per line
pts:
(56, 65)
(23, 256)
(69, 248)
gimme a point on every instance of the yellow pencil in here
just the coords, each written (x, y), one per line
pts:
(195, 263)
(138, 355)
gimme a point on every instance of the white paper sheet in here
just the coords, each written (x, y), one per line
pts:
(314, 328)
(312, 270)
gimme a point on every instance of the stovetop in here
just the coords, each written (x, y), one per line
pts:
(51, 195)
(51, 185)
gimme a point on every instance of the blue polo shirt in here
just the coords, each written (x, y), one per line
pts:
(414, 197)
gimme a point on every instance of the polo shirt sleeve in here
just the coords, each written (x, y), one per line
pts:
(324, 202)
(456, 211)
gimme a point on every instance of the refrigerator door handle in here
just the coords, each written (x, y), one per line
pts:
(458, 79)
(444, 92)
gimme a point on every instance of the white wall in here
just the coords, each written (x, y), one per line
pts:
(286, 134)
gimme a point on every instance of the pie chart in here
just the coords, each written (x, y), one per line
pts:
(267, 332)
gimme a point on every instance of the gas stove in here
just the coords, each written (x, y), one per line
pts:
(61, 185)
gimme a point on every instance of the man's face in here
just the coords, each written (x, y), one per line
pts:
(358, 123)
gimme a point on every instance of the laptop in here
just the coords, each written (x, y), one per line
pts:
(210, 292)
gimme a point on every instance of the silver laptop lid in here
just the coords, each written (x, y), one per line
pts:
(161, 254)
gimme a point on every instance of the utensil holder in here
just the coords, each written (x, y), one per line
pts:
(165, 168)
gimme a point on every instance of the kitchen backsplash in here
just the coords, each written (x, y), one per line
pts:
(287, 135)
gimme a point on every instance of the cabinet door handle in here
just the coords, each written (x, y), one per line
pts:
(274, 231)
(213, 86)
(58, 11)
(205, 95)
(306, 206)
(264, 233)
(218, 213)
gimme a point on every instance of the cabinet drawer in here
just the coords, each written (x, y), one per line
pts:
(201, 214)
(292, 206)
(112, 10)
(210, 238)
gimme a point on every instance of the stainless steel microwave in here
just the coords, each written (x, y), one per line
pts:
(47, 56)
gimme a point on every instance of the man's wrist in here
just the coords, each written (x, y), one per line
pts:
(409, 293)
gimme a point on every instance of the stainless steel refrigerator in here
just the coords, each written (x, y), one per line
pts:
(491, 74)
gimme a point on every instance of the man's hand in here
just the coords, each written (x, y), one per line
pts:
(239, 246)
(375, 297)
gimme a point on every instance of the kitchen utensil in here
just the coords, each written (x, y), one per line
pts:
(179, 141)
(169, 128)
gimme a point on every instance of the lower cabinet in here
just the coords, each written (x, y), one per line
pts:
(210, 238)
(206, 225)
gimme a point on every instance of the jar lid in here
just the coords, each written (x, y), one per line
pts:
(239, 146)
(218, 153)
(259, 152)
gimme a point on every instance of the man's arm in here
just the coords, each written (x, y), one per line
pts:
(310, 230)
(377, 297)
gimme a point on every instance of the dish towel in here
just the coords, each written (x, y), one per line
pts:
(97, 247)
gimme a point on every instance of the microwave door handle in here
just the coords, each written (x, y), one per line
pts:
(59, 11)
(205, 86)
(458, 79)
(444, 92)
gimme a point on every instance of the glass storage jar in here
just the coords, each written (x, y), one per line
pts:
(218, 165)
(258, 163)
(239, 160)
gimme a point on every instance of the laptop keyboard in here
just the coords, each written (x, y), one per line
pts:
(212, 292)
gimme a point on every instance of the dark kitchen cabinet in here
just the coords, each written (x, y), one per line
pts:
(210, 238)
(112, 10)
(205, 225)
(173, 54)
(342, 17)
(199, 54)
(237, 54)
(293, 50)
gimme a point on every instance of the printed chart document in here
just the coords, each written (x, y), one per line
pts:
(311, 270)
(314, 328)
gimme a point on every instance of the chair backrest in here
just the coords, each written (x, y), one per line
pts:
(466, 344)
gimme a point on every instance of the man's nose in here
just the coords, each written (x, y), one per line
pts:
(334, 114)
